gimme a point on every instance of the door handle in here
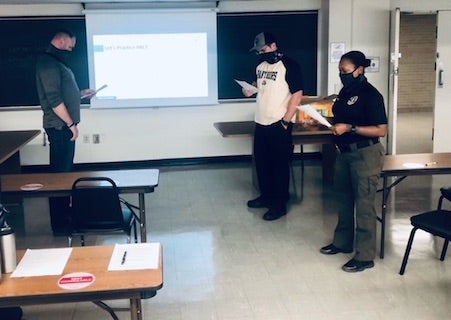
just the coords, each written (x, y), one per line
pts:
(441, 78)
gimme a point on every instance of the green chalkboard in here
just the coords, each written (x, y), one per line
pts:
(23, 39)
(297, 37)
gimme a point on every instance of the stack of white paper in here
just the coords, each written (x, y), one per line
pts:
(42, 262)
(135, 256)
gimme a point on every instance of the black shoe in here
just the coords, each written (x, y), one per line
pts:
(257, 203)
(331, 249)
(274, 214)
(354, 265)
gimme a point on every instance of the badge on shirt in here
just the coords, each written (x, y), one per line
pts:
(352, 100)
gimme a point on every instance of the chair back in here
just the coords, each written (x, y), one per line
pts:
(446, 193)
(95, 204)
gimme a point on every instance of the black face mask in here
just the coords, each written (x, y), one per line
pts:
(270, 57)
(60, 55)
(348, 80)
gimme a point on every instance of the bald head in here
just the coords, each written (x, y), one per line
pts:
(64, 40)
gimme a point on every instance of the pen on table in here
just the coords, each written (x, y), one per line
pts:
(124, 257)
(428, 164)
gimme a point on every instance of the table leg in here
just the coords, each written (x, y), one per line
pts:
(142, 217)
(383, 213)
(385, 193)
(135, 309)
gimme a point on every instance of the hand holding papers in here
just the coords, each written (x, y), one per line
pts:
(90, 93)
(247, 86)
(309, 110)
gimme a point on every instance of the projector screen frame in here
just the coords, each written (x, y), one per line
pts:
(153, 22)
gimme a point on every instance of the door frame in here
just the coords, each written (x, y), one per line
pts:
(395, 55)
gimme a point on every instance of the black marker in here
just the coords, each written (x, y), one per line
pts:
(124, 257)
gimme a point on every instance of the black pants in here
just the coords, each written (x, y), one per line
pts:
(11, 313)
(273, 147)
(62, 151)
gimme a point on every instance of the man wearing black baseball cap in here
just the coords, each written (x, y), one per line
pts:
(280, 87)
(262, 39)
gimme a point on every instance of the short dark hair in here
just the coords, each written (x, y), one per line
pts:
(63, 33)
(357, 58)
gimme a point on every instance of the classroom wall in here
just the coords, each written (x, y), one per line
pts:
(188, 132)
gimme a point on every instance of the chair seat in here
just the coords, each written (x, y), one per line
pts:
(108, 226)
(437, 222)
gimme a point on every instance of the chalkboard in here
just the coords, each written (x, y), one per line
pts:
(25, 37)
(297, 37)
(22, 40)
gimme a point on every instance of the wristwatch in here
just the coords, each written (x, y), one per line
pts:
(353, 129)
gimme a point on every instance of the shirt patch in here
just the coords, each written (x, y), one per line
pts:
(352, 100)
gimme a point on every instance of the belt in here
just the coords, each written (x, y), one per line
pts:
(357, 145)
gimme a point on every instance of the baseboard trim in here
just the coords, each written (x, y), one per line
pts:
(163, 163)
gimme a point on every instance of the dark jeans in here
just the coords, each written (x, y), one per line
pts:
(62, 151)
(272, 152)
(11, 313)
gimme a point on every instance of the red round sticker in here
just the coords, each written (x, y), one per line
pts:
(76, 280)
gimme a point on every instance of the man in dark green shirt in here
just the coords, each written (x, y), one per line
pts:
(59, 97)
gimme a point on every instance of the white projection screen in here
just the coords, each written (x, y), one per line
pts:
(152, 58)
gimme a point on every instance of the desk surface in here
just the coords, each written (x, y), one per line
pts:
(12, 141)
(94, 260)
(416, 164)
(127, 181)
(138, 181)
(403, 165)
(246, 128)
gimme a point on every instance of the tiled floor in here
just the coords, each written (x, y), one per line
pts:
(222, 261)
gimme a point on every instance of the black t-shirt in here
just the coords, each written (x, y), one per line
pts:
(362, 105)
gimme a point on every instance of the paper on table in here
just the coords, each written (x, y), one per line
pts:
(95, 92)
(247, 86)
(42, 262)
(309, 110)
(135, 256)
(413, 165)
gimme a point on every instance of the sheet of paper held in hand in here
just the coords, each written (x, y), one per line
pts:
(42, 262)
(135, 256)
(95, 92)
(311, 111)
(247, 86)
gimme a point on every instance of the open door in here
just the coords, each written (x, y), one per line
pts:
(395, 55)
(442, 110)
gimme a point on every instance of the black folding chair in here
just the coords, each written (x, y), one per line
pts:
(96, 208)
(436, 222)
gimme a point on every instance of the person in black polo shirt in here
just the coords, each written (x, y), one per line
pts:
(359, 120)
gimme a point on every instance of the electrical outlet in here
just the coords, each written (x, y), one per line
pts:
(96, 138)
(86, 138)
